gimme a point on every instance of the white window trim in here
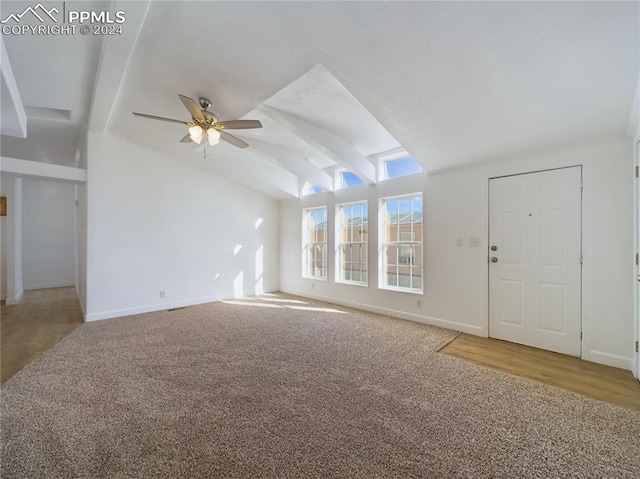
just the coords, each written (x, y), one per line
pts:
(305, 244)
(382, 243)
(338, 183)
(339, 243)
(381, 158)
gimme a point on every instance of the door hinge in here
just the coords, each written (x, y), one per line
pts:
(581, 261)
(581, 186)
(637, 346)
(636, 172)
(637, 258)
(580, 334)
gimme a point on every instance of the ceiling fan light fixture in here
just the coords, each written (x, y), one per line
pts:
(203, 121)
(213, 136)
(195, 133)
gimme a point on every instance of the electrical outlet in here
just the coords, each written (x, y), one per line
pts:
(162, 294)
(419, 303)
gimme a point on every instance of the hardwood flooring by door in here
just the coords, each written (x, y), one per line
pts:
(605, 383)
(41, 319)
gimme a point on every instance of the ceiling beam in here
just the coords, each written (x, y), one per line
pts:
(43, 171)
(262, 176)
(336, 148)
(300, 167)
(14, 118)
(116, 53)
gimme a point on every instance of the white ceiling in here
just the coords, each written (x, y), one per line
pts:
(452, 82)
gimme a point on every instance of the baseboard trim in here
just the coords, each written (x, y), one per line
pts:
(118, 313)
(16, 299)
(48, 285)
(442, 323)
(609, 359)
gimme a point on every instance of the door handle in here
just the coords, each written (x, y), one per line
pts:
(494, 259)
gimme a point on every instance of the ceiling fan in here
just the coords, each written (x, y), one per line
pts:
(203, 122)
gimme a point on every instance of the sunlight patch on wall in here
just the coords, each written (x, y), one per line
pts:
(238, 285)
(259, 271)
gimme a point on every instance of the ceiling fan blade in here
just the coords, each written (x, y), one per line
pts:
(186, 139)
(192, 106)
(161, 118)
(238, 124)
(233, 140)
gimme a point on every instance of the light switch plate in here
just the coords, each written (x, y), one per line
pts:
(474, 242)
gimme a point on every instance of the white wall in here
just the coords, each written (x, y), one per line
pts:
(49, 234)
(81, 229)
(456, 206)
(12, 227)
(155, 224)
(81, 245)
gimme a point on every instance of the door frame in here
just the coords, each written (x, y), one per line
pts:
(581, 241)
(636, 242)
(585, 283)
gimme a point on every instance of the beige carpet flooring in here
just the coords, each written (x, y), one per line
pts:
(280, 386)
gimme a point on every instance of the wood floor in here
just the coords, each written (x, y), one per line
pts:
(605, 383)
(41, 319)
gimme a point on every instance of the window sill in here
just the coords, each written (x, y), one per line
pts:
(401, 290)
(350, 283)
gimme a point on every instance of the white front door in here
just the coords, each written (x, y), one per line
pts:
(535, 259)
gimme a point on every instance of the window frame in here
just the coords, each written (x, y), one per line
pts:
(393, 156)
(308, 187)
(383, 245)
(306, 243)
(339, 243)
(338, 179)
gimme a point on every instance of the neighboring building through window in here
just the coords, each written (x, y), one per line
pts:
(315, 243)
(351, 243)
(401, 243)
(397, 167)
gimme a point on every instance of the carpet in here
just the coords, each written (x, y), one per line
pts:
(280, 386)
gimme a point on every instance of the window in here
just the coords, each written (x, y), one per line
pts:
(311, 189)
(314, 248)
(397, 167)
(352, 243)
(401, 243)
(346, 179)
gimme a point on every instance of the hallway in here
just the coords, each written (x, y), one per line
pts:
(41, 319)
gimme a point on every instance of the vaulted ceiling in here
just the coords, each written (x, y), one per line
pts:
(333, 82)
